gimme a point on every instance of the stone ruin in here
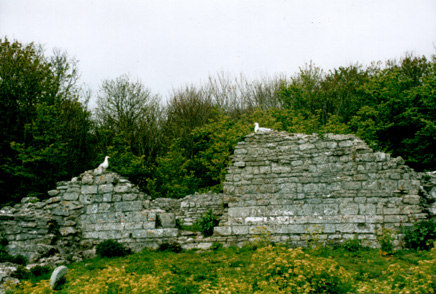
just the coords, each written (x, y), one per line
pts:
(288, 184)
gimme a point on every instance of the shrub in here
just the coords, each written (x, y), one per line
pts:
(282, 270)
(170, 247)
(21, 273)
(421, 236)
(206, 223)
(262, 237)
(385, 239)
(216, 246)
(111, 248)
(18, 259)
(353, 245)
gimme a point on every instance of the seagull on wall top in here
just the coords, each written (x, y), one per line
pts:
(258, 129)
(105, 163)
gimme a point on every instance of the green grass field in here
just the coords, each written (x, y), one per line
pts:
(270, 269)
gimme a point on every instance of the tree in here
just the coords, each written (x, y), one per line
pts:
(44, 127)
(399, 115)
(126, 106)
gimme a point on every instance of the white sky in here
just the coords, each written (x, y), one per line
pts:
(172, 43)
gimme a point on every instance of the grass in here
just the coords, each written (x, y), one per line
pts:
(245, 270)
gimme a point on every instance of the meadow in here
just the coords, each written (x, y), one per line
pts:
(350, 268)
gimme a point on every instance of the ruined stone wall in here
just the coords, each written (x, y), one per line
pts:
(335, 185)
(95, 207)
(289, 184)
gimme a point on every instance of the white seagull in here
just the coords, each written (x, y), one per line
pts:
(257, 129)
(105, 163)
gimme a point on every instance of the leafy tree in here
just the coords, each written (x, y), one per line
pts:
(173, 176)
(398, 114)
(44, 127)
(127, 107)
(187, 109)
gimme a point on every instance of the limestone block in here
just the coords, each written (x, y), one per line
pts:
(54, 199)
(168, 232)
(345, 228)
(367, 209)
(107, 197)
(352, 185)
(86, 198)
(395, 218)
(128, 206)
(222, 231)
(391, 210)
(107, 178)
(412, 199)
(123, 188)
(88, 189)
(71, 196)
(105, 207)
(167, 220)
(306, 146)
(349, 208)
(240, 230)
(105, 188)
(130, 197)
(142, 233)
(239, 164)
(61, 211)
(92, 208)
(255, 220)
(90, 235)
(58, 276)
(52, 193)
(65, 231)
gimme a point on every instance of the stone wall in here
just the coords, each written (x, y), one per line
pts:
(289, 184)
(294, 184)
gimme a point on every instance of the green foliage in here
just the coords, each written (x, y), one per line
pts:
(48, 134)
(45, 128)
(170, 247)
(207, 223)
(385, 238)
(216, 246)
(421, 236)
(392, 108)
(179, 223)
(111, 248)
(233, 270)
(173, 176)
(353, 245)
(262, 237)
(35, 274)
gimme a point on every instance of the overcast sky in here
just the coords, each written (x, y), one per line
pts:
(172, 43)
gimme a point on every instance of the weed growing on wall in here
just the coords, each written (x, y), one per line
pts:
(421, 236)
(207, 223)
(385, 238)
(313, 237)
(353, 245)
(262, 237)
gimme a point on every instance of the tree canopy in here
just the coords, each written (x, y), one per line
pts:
(47, 132)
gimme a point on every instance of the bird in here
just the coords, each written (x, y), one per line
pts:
(258, 129)
(105, 163)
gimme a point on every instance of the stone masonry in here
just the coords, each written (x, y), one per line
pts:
(289, 184)
(332, 185)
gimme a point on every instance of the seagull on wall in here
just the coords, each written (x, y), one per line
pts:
(258, 129)
(105, 163)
